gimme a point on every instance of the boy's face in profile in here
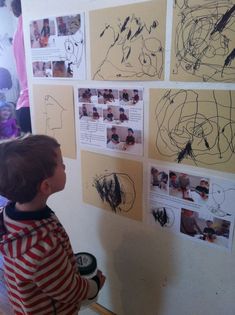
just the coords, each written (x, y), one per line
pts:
(58, 180)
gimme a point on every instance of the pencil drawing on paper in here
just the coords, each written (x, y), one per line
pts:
(204, 40)
(117, 189)
(196, 125)
(54, 115)
(134, 50)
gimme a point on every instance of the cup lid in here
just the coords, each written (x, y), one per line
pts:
(87, 263)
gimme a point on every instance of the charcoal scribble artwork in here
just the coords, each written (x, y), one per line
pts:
(117, 189)
(203, 41)
(131, 45)
(194, 127)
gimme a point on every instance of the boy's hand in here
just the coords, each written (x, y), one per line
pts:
(101, 277)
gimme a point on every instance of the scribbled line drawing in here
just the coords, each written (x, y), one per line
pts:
(194, 128)
(204, 40)
(74, 48)
(134, 52)
(54, 115)
(164, 216)
(218, 194)
(117, 189)
(74, 44)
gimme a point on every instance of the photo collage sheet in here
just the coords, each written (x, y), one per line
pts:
(111, 119)
(58, 47)
(199, 207)
(188, 126)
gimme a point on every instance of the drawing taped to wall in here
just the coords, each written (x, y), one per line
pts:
(130, 40)
(113, 184)
(203, 41)
(54, 115)
(195, 127)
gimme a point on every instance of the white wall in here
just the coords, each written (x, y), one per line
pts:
(148, 272)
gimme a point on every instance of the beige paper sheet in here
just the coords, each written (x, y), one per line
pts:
(203, 42)
(195, 127)
(54, 115)
(117, 181)
(128, 42)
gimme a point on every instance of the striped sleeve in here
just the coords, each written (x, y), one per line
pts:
(57, 277)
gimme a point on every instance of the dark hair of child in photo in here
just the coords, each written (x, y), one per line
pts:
(36, 249)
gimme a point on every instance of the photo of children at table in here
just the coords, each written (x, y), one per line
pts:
(116, 114)
(124, 139)
(90, 112)
(159, 179)
(188, 187)
(87, 95)
(188, 223)
(107, 96)
(198, 225)
(41, 32)
(130, 97)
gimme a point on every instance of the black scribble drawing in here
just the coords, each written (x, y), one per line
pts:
(195, 127)
(54, 115)
(74, 50)
(164, 216)
(135, 51)
(218, 194)
(204, 42)
(117, 189)
(73, 44)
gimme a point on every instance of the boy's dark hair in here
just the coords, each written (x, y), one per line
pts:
(16, 7)
(130, 129)
(24, 164)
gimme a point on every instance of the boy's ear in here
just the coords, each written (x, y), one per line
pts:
(45, 187)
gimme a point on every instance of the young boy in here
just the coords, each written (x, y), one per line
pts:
(40, 268)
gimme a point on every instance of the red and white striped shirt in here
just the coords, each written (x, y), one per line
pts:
(40, 267)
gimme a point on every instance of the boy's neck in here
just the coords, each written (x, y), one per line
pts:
(34, 205)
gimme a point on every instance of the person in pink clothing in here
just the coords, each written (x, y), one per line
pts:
(22, 106)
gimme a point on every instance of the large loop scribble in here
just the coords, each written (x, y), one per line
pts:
(204, 40)
(195, 127)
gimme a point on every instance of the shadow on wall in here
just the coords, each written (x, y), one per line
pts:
(141, 265)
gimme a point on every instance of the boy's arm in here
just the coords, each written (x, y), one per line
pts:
(57, 278)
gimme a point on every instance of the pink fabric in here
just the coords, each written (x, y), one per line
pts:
(19, 53)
